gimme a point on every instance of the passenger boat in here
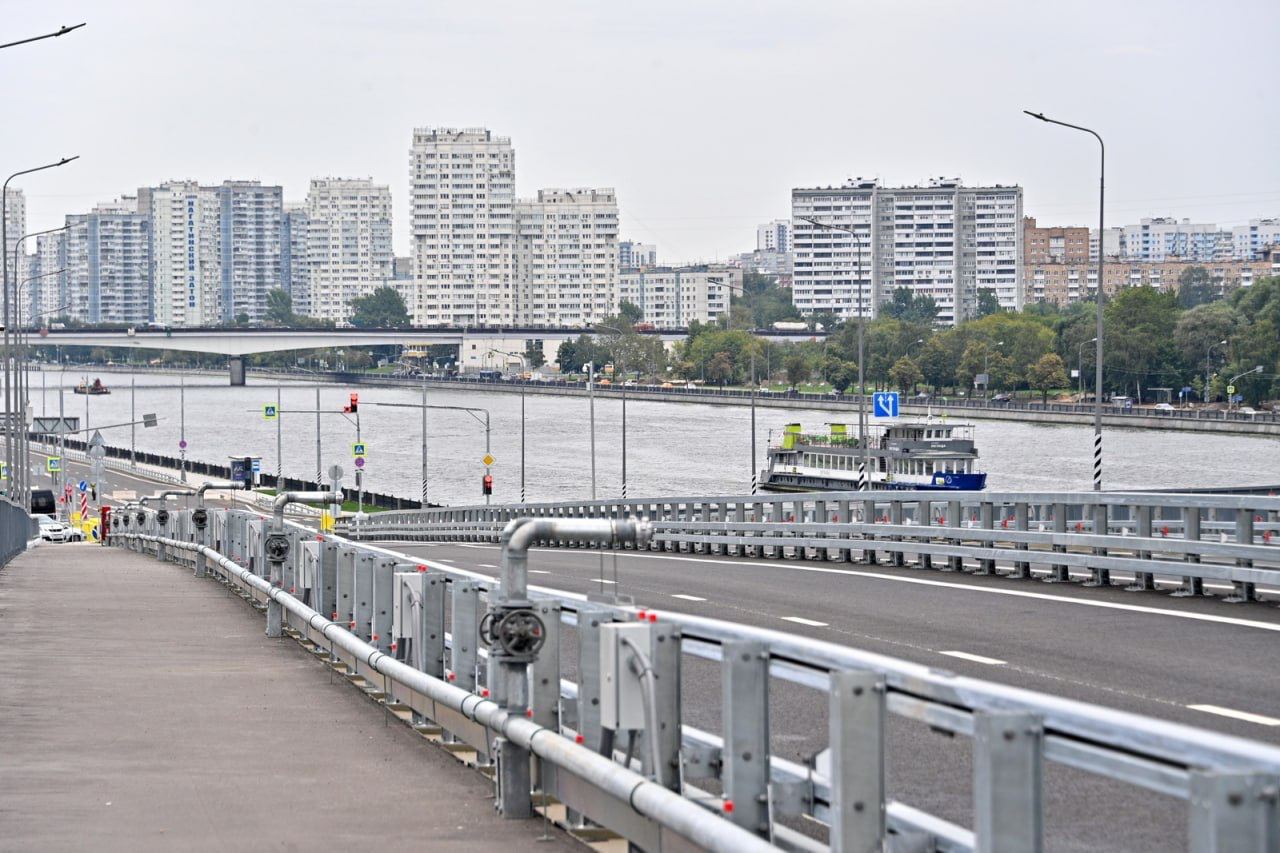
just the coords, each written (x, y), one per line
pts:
(96, 387)
(926, 454)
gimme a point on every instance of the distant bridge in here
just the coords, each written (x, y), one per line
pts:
(475, 345)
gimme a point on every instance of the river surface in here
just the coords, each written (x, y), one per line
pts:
(672, 448)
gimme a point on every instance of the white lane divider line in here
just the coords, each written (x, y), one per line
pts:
(602, 580)
(487, 565)
(1236, 715)
(538, 572)
(687, 597)
(975, 658)
(800, 620)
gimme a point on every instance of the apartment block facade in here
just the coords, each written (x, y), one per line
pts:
(106, 255)
(45, 294)
(295, 278)
(1054, 244)
(566, 264)
(250, 225)
(462, 206)
(1064, 283)
(1252, 241)
(186, 252)
(349, 251)
(674, 297)
(15, 224)
(942, 240)
(774, 236)
(632, 255)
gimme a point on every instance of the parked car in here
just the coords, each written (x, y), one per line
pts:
(1164, 407)
(1002, 398)
(43, 502)
(1247, 410)
(52, 530)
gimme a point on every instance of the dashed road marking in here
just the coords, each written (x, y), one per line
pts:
(1236, 715)
(487, 565)
(975, 658)
(538, 572)
(687, 597)
(800, 620)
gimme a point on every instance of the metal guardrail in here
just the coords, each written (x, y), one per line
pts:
(16, 529)
(440, 672)
(1188, 538)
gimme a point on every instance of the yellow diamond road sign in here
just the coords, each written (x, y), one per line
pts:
(488, 459)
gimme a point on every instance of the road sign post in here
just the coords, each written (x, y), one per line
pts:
(885, 404)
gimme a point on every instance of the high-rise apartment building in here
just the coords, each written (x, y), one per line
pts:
(45, 295)
(566, 257)
(1250, 242)
(674, 297)
(349, 251)
(250, 227)
(15, 224)
(294, 276)
(1162, 238)
(186, 252)
(1112, 242)
(632, 255)
(942, 240)
(774, 236)
(462, 200)
(1053, 244)
(107, 262)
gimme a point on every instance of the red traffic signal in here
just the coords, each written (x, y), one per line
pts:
(486, 484)
(351, 407)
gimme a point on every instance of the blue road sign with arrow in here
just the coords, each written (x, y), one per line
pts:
(83, 486)
(884, 404)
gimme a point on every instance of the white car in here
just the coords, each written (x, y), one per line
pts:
(1164, 407)
(52, 530)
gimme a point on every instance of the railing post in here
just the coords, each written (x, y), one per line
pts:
(924, 518)
(664, 653)
(1008, 758)
(986, 517)
(463, 655)
(1100, 576)
(844, 516)
(955, 563)
(545, 669)
(745, 712)
(1244, 590)
(589, 621)
(897, 557)
(345, 600)
(1232, 811)
(362, 598)
(1021, 569)
(856, 720)
(383, 602)
(1143, 581)
(1059, 573)
(1190, 532)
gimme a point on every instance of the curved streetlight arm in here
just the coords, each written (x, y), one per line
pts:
(62, 31)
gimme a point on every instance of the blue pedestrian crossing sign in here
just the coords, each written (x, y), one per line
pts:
(53, 464)
(83, 486)
(884, 404)
(358, 449)
(269, 411)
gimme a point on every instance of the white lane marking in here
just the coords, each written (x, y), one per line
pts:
(975, 658)
(800, 620)
(687, 597)
(1016, 593)
(601, 580)
(538, 572)
(487, 565)
(1236, 715)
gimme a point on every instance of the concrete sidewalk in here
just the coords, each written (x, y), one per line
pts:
(143, 709)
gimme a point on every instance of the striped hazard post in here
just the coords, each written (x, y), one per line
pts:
(84, 505)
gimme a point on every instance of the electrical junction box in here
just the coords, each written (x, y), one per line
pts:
(622, 690)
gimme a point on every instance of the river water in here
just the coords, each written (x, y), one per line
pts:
(672, 448)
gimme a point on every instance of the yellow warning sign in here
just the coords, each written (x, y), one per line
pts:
(488, 459)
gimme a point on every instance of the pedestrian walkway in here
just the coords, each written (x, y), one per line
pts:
(144, 709)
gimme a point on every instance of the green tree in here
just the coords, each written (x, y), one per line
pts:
(630, 312)
(382, 309)
(988, 303)
(1195, 287)
(533, 355)
(797, 368)
(840, 374)
(1200, 329)
(280, 308)
(906, 305)
(720, 368)
(905, 374)
(1046, 374)
(1139, 324)
(939, 357)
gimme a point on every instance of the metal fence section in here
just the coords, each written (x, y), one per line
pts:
(1153, 539)
(16, 529)
(678, 787)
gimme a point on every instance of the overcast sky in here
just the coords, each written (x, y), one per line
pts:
(702, 114)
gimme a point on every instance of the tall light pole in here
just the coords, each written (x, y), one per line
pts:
(9, 315)
(1080, 363)
(524, 364)
(590, 367)
(62, 31)
(1208, 366)
(1097, 378)
(863, 483)
(622, 362)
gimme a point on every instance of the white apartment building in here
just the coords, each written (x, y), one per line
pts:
(774, 236)
(46, 291)
(1167, 239)
(632, 255)
(107, 260)
(462, 198)
(566, 257)
(250, 226)
(674, 297)
(1112, 240)
(294, 277)
(186, 251)
(942, 240)
(1250, 241)
(15, 224)
(349, 251)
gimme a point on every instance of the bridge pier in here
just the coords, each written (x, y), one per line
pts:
(236, 367)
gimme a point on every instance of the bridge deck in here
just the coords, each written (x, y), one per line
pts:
(143, 709)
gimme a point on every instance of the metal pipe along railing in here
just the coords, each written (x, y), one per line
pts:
(667, 808)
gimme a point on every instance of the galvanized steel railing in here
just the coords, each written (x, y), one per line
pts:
(439, 671)
(16, 529)
(1184, 538)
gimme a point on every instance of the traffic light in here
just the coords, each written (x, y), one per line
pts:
(351, 407)
(486, 485)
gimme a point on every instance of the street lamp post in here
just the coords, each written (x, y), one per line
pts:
(1232, 381)
(622, 363)
(1097, 378)
(863, 483)
(62, 31)
(1080, 364)
(9, 315)
(1208, 366)
(524, 365)
(590, 367)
